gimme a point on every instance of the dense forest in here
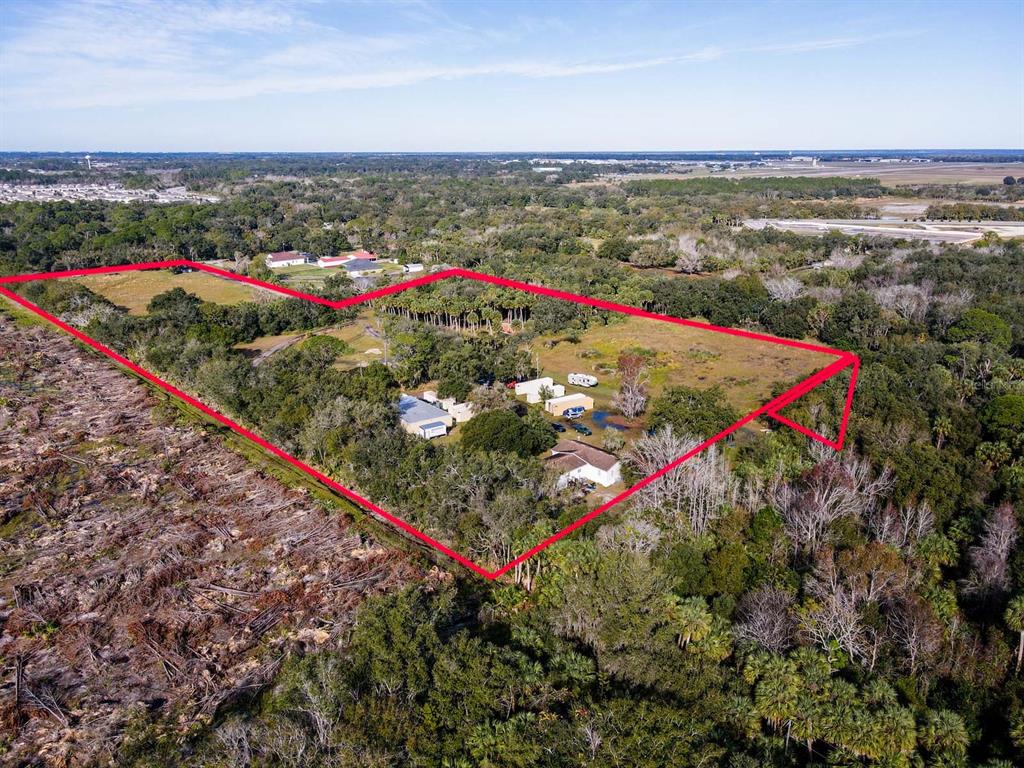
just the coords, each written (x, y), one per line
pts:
(772, 604)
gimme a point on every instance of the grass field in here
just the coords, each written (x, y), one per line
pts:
(747, 370)
(305, 276)
(134, 290)
(358, 334)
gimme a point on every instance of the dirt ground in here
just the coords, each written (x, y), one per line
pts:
(145, 567)
(932, 232)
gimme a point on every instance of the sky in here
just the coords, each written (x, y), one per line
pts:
(327, 75)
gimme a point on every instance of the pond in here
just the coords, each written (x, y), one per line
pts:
(601, 420)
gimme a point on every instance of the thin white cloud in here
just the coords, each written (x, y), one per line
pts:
(116, 54)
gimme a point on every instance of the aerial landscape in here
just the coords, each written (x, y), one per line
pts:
(509, 385)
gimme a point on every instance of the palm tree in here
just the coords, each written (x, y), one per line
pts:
(691, 619)
(1015, 620)
(942, 428)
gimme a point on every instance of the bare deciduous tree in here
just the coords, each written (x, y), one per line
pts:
(689, 258)
(834, 615)
(690, 496)
(990, 572)
(784, 288)
(949, 307)
(916, 631)
(901, 528)
(631, 399)
(832, 490)
(910, 302)
(765, 617)
(631, 535)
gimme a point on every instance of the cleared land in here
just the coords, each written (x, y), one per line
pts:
(134, 290)
(144, 566)
(930, 231)
(912, 208)
(889, 173)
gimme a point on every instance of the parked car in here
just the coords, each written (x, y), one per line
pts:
(557, 427)
(582, 380)
(583, 429)
(574, 413)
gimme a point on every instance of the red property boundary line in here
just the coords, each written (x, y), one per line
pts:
(843, 361)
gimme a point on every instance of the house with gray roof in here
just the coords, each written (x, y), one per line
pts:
(423, 419)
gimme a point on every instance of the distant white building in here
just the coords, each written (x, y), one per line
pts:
(287, 259)
(573, 460)
(533, 387)
(409, 268)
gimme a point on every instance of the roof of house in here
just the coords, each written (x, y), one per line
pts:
(360, 264)
(362, 254)
(335, 259)
(595, 457)
(564, 462)
(412, 410)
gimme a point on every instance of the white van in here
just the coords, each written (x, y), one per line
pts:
(582, 380)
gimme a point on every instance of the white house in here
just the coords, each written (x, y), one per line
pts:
(415, 267)
(573, 460)
(287, 259)
(533, 387)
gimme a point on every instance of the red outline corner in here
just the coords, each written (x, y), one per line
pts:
(843, 361)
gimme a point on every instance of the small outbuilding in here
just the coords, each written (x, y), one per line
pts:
(557, 406)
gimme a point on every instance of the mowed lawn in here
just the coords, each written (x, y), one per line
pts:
(305, 277)
(134, 290)
(745, 369)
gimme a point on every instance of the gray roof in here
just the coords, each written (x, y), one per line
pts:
(433, 425)
(411, 410)
(359, 264)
